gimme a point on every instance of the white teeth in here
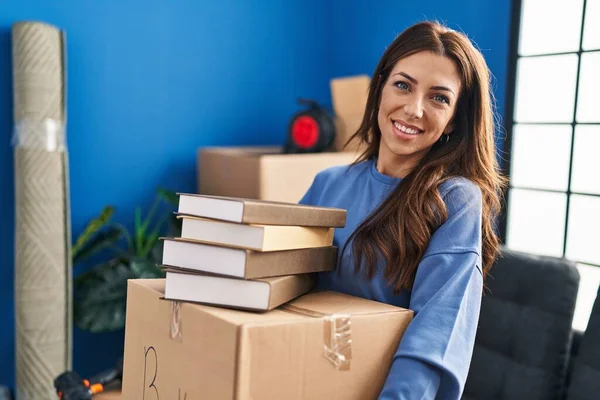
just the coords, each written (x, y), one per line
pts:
(404, 129)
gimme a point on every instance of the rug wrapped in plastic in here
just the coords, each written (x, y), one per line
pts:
(43, 267)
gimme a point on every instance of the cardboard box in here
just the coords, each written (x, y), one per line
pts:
(174, 350)
(262, 172)
(349, 97)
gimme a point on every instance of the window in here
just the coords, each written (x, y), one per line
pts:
(553, 127)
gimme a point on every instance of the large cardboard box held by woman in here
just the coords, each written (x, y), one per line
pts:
(323, 345)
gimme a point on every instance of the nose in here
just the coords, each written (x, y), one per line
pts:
(414, 107)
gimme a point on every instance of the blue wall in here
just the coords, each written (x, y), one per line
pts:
(150, 82)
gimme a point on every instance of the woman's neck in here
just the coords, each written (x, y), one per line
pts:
(392, 165)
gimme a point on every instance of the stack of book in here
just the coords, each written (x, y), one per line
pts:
(248, 254)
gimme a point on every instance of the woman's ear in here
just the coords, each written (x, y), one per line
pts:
(449, 128)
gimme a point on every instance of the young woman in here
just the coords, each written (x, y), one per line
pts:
(421, 203)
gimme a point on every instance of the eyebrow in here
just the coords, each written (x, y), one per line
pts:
(413, 80)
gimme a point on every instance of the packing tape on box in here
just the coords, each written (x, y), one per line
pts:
(47, 134)
(176, 333)
(337, 332)
(338, 340)
(337, 335)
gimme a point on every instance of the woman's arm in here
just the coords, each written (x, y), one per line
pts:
(433, 358)
(435, 352)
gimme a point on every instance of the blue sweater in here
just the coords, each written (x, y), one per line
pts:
(433, 358)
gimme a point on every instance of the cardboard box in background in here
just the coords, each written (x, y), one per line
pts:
(215, 353)
(349, 97)
(262, 172)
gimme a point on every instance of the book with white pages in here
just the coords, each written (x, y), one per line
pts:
(255, 211)
(244, 263)
(262, 294)
(254, 236)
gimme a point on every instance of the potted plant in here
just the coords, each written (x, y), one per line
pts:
(100, 293)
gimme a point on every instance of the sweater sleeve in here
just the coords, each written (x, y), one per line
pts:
(433, 358)
(313, 190)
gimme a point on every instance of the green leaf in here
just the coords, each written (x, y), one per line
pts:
(146, 269)
(101, 293)
(156, 254)
(174, 226)
(152, 238)
(169, 196)
(91, 229)
(148, 220)
(101, 296)
(138, 229)
(126, 235)
(99, 242)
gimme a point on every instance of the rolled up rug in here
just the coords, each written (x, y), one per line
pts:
(43, 289)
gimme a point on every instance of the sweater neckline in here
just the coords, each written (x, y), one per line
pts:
(386, 179)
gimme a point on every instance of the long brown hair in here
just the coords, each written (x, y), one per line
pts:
(402, 225)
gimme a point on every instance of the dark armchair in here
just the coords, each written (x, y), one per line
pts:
(524, 335)
(585, 373)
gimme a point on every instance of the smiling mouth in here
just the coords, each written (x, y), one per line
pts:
(406, 129)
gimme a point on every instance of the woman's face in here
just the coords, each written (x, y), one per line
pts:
(417, 105)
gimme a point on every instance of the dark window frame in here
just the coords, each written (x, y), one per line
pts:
(509, 123)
